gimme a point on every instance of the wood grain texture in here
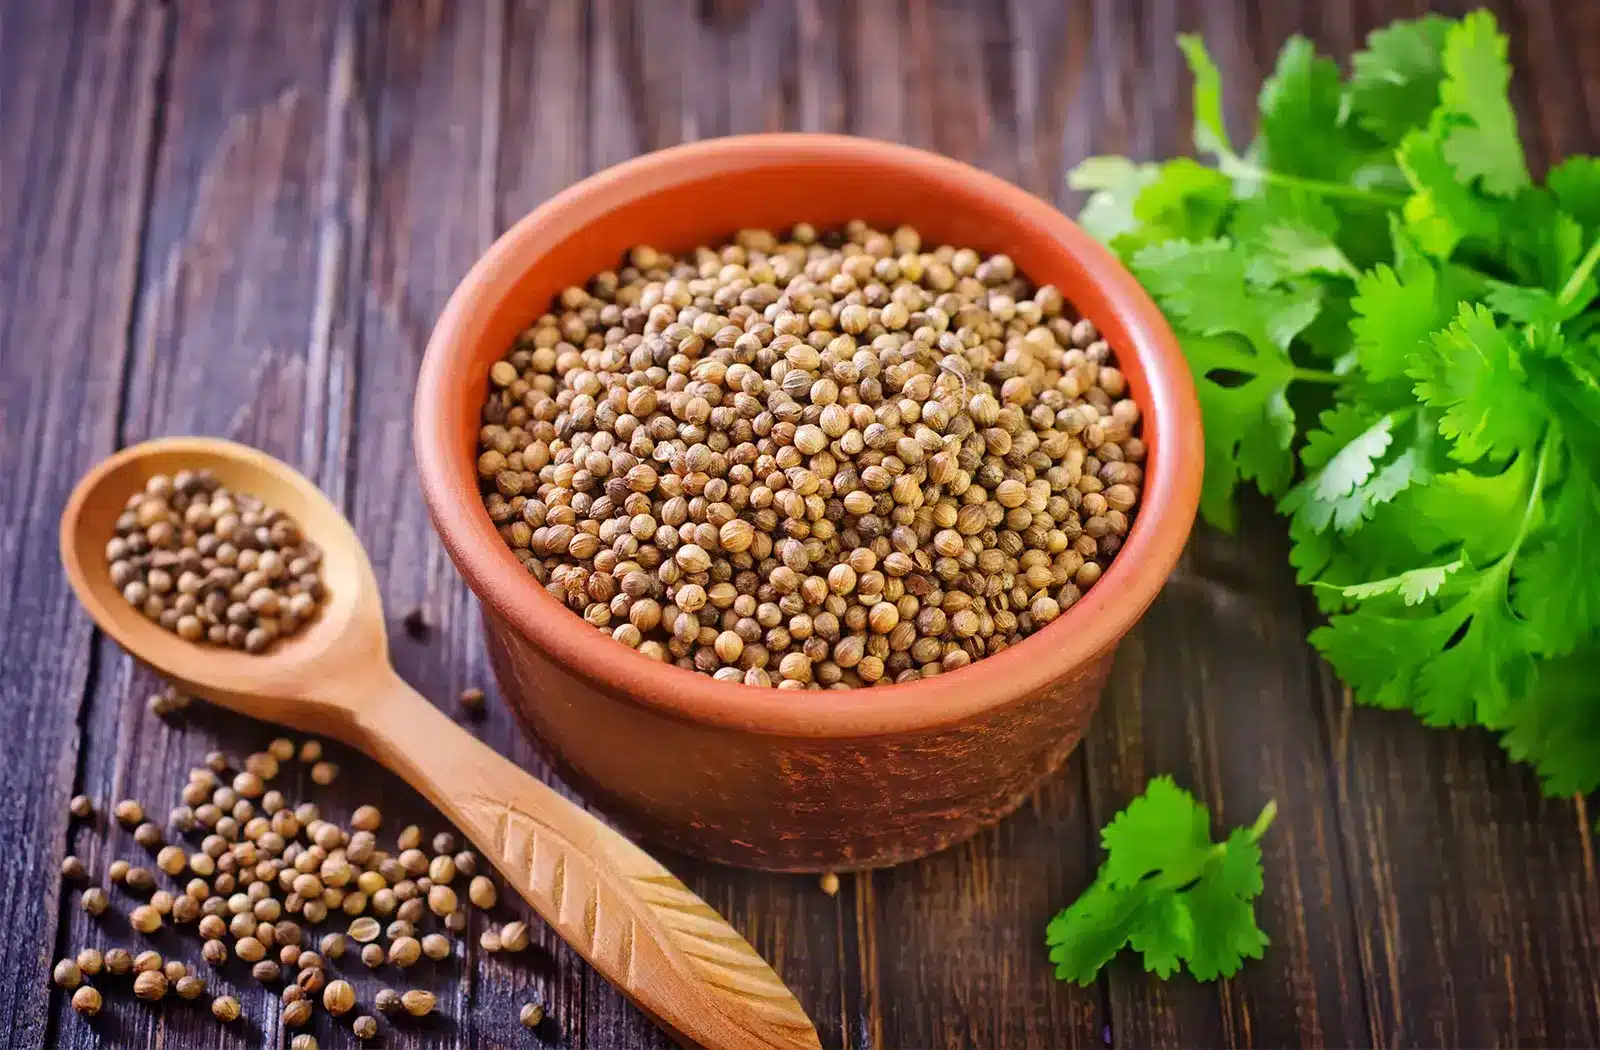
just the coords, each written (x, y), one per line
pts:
(226, 220)
(71, 206)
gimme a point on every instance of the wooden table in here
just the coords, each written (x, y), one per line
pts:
(241, 218)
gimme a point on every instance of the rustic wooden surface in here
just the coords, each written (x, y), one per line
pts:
(241, 218)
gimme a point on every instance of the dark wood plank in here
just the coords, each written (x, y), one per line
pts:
(79, 106)
(256, 222)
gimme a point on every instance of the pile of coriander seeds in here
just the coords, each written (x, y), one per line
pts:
(823, 460)
(212, 565)
(274, 891)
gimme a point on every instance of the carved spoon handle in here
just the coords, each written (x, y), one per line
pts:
(638, 925)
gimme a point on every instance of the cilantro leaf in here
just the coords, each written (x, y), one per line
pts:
(1396, 314)
(1303, 130)
(1478, 124)
(1168, 891)
(1461, 663)
(1210, 133)
(1236, 337)
(1473, 373)
(1576, 185)
(1557, 583)
(1556, 728)
(1184, 201)
(1441, 211)
(1414, 586)
(1340, 458)
(1116, 183)
(1394, 83)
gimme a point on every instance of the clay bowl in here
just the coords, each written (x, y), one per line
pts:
(757, 777)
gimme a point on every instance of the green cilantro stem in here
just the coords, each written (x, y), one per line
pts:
(1179, 877)
(1314, 375)
(1569, 291)
(1535, 491)
(1236, 167)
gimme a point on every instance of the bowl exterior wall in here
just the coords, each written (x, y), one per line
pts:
(783, 803)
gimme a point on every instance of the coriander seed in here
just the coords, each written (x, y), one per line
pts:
(339, 998)
(297, 1013)
(119, 962)
(95, 900)
(145, 919)
(531, 1015)
(372, 955)
(81, 806)
(303, 1042)
(90, 962)
(225, 1008)
(129, 813)
(67, 975)
(324, 773)
(472, 700)
(404, 951)
(514, 936)
(387, 1000)
(436, 946)
(481, 892)
(72, 869)
(365, 1027)
(418, 1003)
(87, 1001)
(147, 960)
(151, 986)
(190, 987)
(364, 930)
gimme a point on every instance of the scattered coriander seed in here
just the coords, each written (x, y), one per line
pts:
(185, 909)
(456, 921)
(72, 869)
(182, 819)
(399, 928)
(91, 962)
(324, 773)
(145, 919)
(332, 945)
(387, 1000)
(472, 700)
(364, 930)
(292, 993)
(174, 970)
(67, 975)
(481, 892)
(297, 1013)
(442, 869)
(311, 961)
(216, 761)
(119, 962)
(405, 951)
(339, 998)
(147, 960)
(365, 1027)
(214, 952)
(410, 837)
(441, 900)
(531, 1015)
(372, 955)
(311, 980)
(148, 836)
(366, 818)
(514, 936)
(411, 910)
(117, 871)
(225, 1008)
(250, 949)
(303, 1042)
(167, 700)
(830, 883)
(81, 806)
(281, 749)
(466, 863)
(87, 1001)
(190, 987)
(310, 750)
(418, 1003)
(489, 940)
(95, 900)
(129, 813)
(289, 955)
(436, 946)
(140, 880)
(266, 971)
(151, 986)
(172, 860)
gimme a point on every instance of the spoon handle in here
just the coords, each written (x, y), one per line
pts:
(637, 924)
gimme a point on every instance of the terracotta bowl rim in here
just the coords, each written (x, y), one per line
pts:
(1091, 627)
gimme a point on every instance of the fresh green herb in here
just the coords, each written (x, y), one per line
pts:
(1394, 334)
(1178, 898)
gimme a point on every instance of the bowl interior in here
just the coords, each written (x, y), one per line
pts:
(698, 194)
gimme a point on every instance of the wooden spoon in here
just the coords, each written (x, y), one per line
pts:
(637, 924)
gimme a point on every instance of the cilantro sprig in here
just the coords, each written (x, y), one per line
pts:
(1395, 335)
(1167, 890)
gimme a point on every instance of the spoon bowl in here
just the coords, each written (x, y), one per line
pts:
(634, 921)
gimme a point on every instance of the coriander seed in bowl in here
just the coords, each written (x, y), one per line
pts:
(822, 459)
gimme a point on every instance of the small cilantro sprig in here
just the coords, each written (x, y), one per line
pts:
(1165, 888)
(1395, 335)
